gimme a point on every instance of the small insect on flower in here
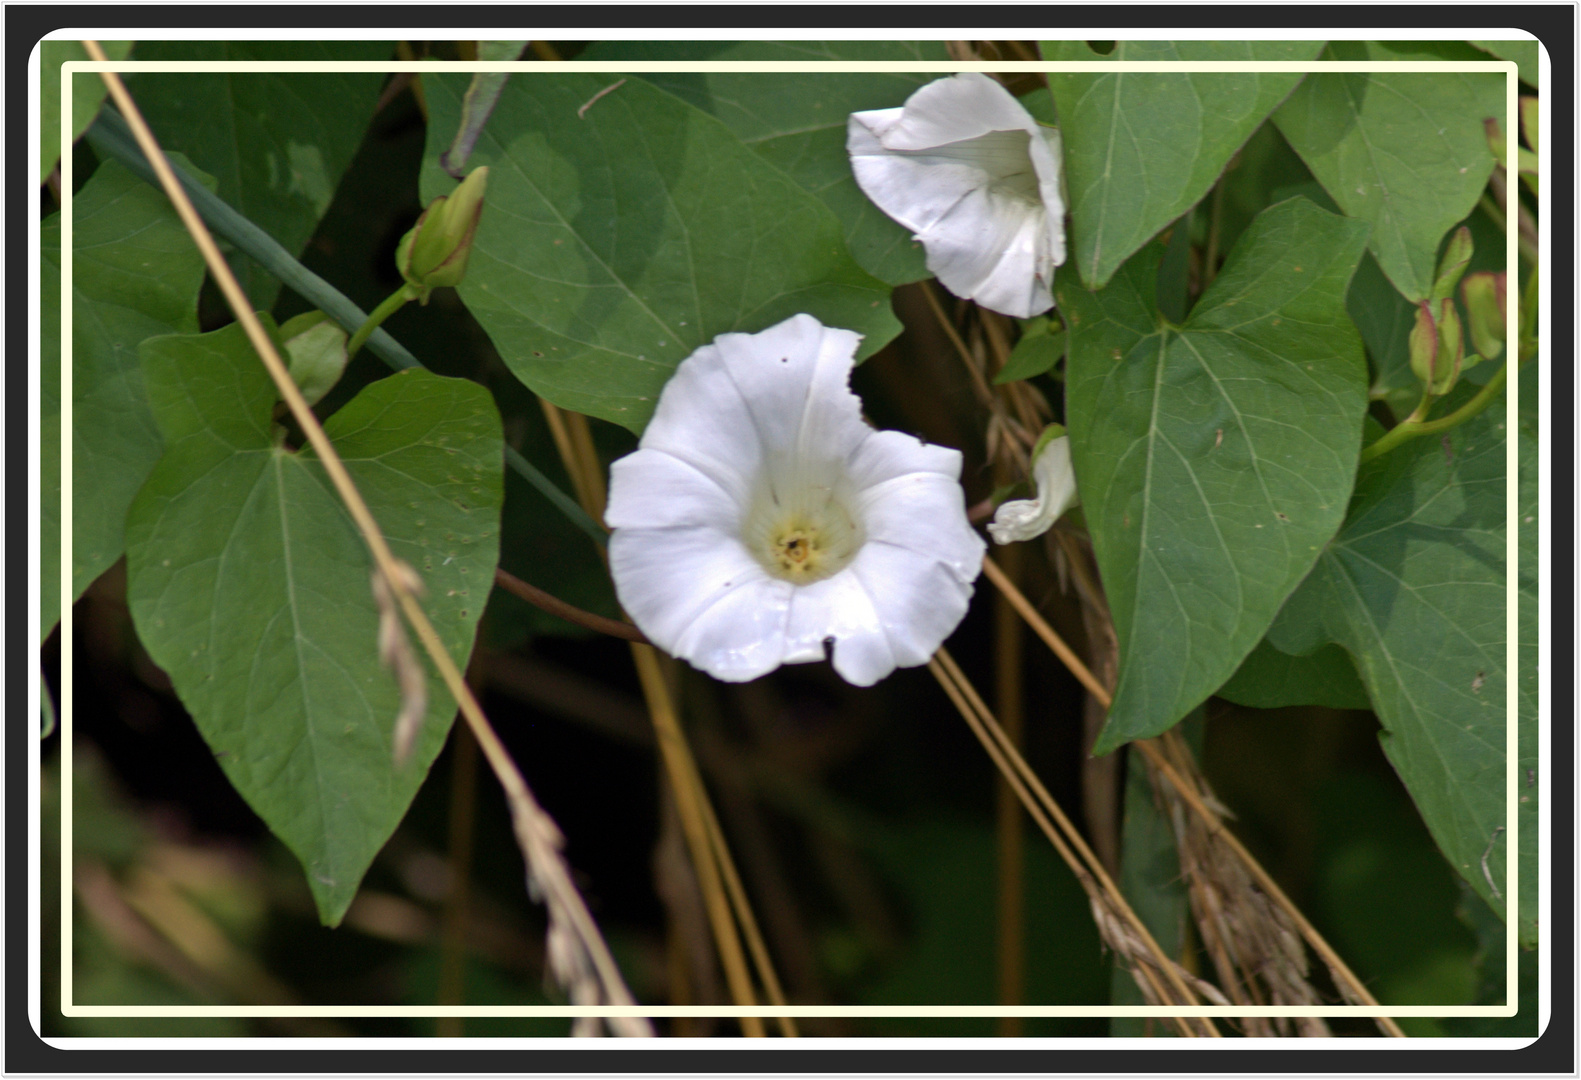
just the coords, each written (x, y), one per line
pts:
(761, 517)
(977, 179)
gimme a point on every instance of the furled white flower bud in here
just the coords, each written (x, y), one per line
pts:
(1023, 519)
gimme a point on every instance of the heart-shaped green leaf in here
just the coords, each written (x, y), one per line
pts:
(1213, 459)
(1142, 147)
(622, 233)
(136, 274)
(1414, 588)
(797, 120)
(277, 142)
(250, 586)
(1405, 151)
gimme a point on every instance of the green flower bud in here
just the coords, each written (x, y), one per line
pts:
(1484, 297)
(1424, 344)
(434, 254)
(1529, 123)
(315, 349)
(1457, 254)
(1451, 348)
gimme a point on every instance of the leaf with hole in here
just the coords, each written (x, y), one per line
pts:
(250, 585)
(1141, 148)
(277, 142)
(622, 233)
(1403, 151)
(1214, 458)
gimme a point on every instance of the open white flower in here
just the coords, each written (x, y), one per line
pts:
(1023, 519)
(977, 179)
(761, 520)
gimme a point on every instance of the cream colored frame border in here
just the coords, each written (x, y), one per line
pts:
(65, 719)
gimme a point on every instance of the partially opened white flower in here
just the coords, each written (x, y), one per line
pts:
(761, 520)
(1023, 519)
(977, 179)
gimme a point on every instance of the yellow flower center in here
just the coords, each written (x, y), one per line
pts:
(804, 538)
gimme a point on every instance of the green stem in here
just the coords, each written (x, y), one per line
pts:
(392, 303)
(110, 138)
(1412, 428)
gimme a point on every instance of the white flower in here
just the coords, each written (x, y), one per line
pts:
(977, 179)
(761, 518)
(1022, 519)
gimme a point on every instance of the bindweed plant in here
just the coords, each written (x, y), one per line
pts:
(1217, 360)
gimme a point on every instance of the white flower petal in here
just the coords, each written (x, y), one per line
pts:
(666, 578)
(993, 248)
(727, 448)
(915, 191)
(961, 107)
(924, 513)
(919, 601)
(795, 378)
(741, 635)
(839, 609)
(888, 454)
(651, 489)
(977, 179)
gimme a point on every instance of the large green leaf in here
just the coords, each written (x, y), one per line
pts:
(136, 274)
(1142, 147)
(1214, 458)
(620, 237)
(249, 585)
(87, 94)
(277, 142)
(797, 120)
(1414, 588)
(1405, 151)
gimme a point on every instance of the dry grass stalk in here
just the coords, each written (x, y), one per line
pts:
(715, 869)
(1350, 987)
(1255, 948)
(580, 959)
(1161, 980)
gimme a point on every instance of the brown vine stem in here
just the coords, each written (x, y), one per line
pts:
(570, 613)
(1066, 839)
(535, 830)
(1351, 985)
